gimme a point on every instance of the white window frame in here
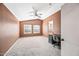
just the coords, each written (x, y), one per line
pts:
(39, 29)
(25, 28)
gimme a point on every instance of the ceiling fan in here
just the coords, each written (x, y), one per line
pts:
(35, 13)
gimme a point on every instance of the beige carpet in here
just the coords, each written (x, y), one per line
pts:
(33, 46)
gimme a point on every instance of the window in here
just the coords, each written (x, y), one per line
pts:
(36, 28)
(46, 27)
(27, 29)
(50, 26)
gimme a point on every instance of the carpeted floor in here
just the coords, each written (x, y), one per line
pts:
(33, 46)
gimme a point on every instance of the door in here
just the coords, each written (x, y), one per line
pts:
(70, 29)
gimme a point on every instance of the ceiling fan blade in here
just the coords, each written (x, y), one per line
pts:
(40, 14)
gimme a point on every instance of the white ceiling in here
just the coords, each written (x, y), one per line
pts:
(22, 10)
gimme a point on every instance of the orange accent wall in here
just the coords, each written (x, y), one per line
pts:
(56, 17)
(32, 22)
(9, 29)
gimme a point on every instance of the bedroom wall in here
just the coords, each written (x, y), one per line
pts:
(9, 29)
(56, 17)
(32, 22)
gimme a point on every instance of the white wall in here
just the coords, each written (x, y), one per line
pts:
(70, 29)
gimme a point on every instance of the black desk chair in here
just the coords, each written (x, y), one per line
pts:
(55, 40)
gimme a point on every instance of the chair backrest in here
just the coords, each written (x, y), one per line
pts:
(56, 37)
